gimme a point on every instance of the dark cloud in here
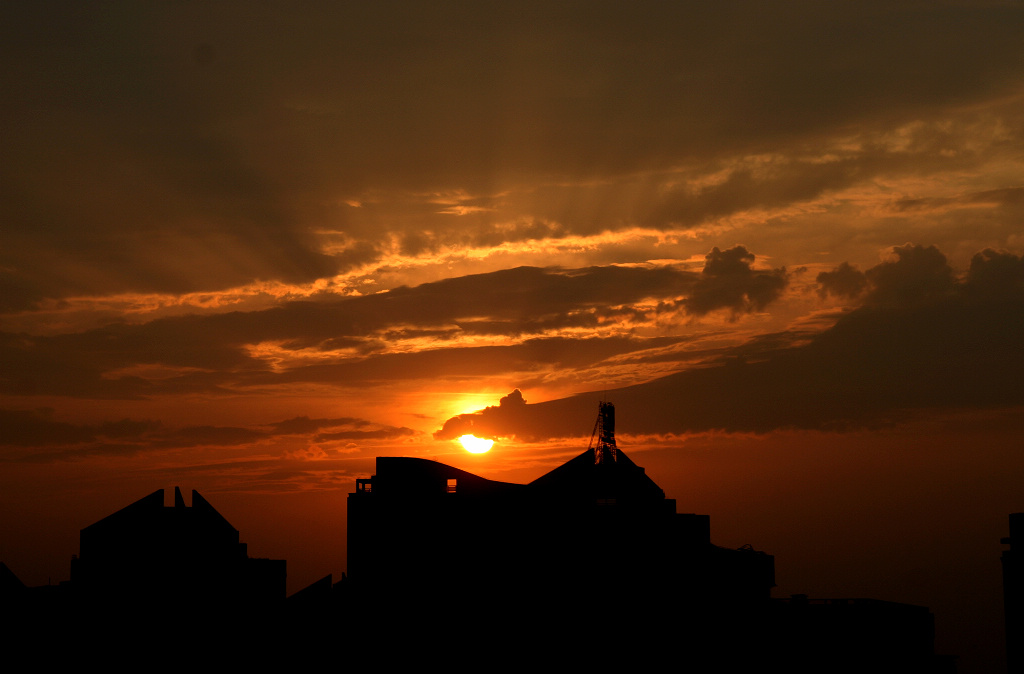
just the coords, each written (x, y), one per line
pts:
(21, 291)
(127, 428)
(212, 349)
(729, 282)
(506, 419)
(922, 343)
(531, 230)
(29, 428)
(205, 436)
(170, 147)
(996, 275)
(539, 356)
(341, 428)
(916, 274)
(387, 433)
(35, 436)
(680, 199)
(305, 425)
(843, 281)
(1005, 196)
(769, 187)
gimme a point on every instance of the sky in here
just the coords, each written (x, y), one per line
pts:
(246, 248)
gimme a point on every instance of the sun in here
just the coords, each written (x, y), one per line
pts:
(474, 444)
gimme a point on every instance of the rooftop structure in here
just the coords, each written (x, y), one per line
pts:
(594, 537)
(592, 565)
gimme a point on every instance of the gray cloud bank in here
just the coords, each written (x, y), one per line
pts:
(174, 147)
(922, 341)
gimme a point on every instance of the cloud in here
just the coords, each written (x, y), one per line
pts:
(843, 281)
(536, 357)
(996, 275)
(341, 428)
(388, 433)
(506, 419)
(35, 436)
(168, 149)
(29, 428)
(216, 352)
(304, 425)
(207, 436)
(922, 343)
(729, 282)
(915, 274)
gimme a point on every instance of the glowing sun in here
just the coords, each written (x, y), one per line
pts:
(474, 444)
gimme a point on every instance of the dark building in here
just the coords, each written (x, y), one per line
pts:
(147, 554)
(857, 635)
(593, 540)
(591, 564)
(1013, 594)
(153, 585)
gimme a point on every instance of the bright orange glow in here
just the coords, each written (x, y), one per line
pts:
(475, 445)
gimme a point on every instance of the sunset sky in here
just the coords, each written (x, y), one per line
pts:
(248, 247)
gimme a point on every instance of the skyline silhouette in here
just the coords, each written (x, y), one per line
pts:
(593, 547)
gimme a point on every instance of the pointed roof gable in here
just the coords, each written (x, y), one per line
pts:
(621, 480)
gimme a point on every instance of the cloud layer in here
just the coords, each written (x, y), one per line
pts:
(36, 436)
(175, 149)
(459, 325)
(921, 342)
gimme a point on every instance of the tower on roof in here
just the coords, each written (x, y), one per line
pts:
(605, 450)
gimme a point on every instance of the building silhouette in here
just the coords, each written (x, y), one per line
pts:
(1013, 594)
(588, 566)
(594, 553)
(147, 553)
(153, 584)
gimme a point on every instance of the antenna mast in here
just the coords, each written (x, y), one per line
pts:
(604, 432)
